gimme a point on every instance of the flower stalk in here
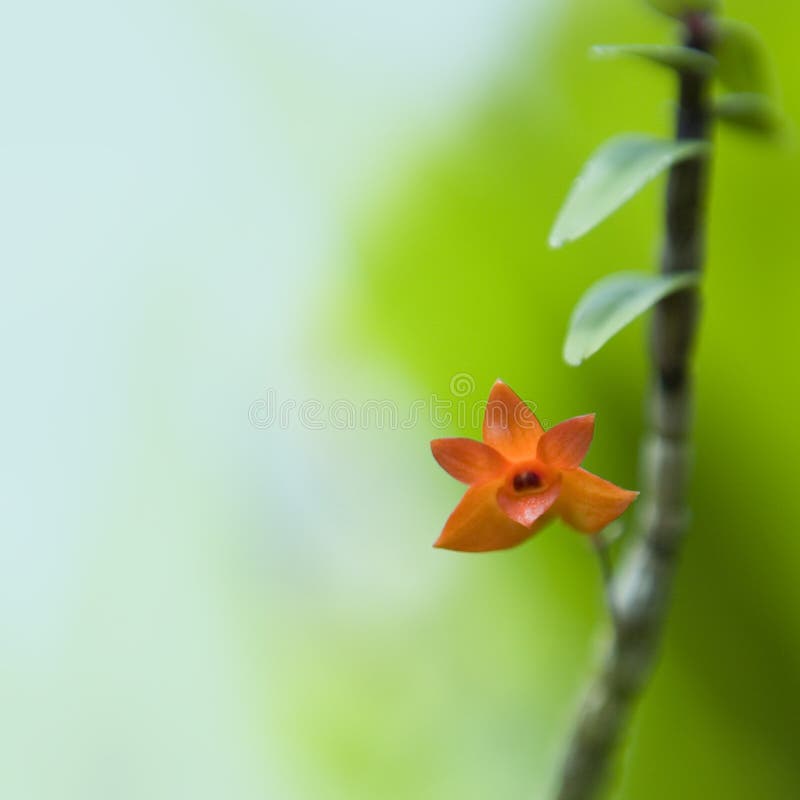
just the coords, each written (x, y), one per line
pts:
(641, 587)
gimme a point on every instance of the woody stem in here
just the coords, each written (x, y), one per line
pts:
(641, 588)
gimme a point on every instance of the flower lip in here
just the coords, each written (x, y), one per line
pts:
(526, 480)
(533, 501)
(529, 477)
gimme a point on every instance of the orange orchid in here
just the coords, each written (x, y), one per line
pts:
(521, 477)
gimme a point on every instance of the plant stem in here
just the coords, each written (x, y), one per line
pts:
(641, 589)
(600, 547)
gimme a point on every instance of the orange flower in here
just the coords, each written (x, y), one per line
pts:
(521, 477)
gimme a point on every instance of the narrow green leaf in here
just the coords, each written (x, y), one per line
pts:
(683, 59)
(613, 174)
(742, 56)
(750, 110)
(612, 303)
(679, 8)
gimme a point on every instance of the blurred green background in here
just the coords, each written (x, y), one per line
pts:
(214, 209)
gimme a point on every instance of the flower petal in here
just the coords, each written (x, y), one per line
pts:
(565, 445)
(478, 525)
(467, 460)
(527, 507)
(589, 503)
(509, 425)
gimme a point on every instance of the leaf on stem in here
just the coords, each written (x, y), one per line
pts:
(742, 56)
(612, 175)
(614, 302)
(750, 110)
(682, 59)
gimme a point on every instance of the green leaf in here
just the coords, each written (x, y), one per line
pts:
(683, 59)
(750, 110)
(614, 302)
(613, 174)
(679, 8)
(742, 57)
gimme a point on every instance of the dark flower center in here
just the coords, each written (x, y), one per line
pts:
(526, 480)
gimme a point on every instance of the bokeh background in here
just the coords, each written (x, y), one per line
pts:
(213, 206)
